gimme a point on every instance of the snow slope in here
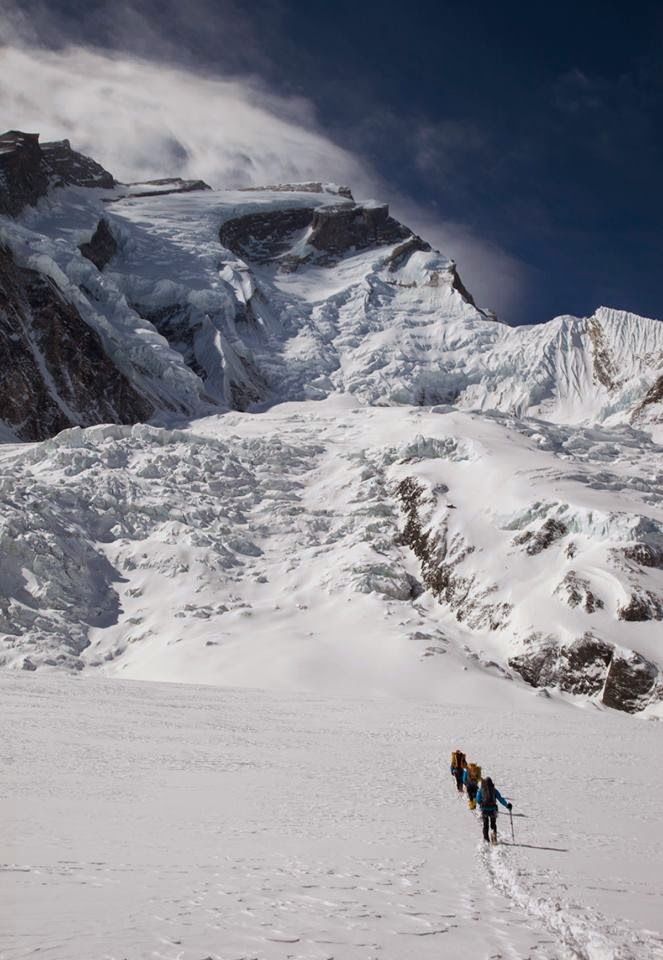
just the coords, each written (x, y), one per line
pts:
(296, 310)
(272, 550)
(182, 822)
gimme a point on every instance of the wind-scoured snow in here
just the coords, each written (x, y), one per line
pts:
(181, 822)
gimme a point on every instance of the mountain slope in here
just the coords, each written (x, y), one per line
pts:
(335, 547)
(241, 298)
(426, 494)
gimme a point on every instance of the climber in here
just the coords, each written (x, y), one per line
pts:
(471, 779)
(458, 764)
(487, 798)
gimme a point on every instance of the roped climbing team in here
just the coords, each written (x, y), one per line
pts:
(481, 792)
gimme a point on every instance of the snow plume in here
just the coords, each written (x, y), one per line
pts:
(144, 119)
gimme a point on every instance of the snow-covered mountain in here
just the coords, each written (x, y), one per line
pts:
(354, 477)
(242, 298)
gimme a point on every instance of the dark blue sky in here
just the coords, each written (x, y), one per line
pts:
(540, 126)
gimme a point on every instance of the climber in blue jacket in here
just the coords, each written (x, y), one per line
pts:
(487, 797)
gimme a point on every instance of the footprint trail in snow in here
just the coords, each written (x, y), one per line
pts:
(182, 822)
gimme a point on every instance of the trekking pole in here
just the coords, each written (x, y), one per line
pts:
(513, 836)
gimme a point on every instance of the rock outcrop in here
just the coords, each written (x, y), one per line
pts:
(67, 167)
(263, 236)
(605, 367)
(588, 666)
(539, 540)
(650, 402)
(335, 230)
(643, 605)
(440, 558)
(576, 591)
(29, 170)
(56, 372)
(23, 175)
(631, 682)
(404, 250)
(645, 554)
(102, 246)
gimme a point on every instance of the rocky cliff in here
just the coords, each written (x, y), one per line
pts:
(28, 170)
(73, 352)
(56, 372)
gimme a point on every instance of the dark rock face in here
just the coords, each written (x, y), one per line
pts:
(23, 176)
(28, 170)
(55, 372)
(631, 682)
(66, 167)
(263, 236)
(576, 591)
(605, 368)
(102, 247)
(590, 666)
(243, 384)
(439, 560)
(404, 250)
(335, 230)
(654, 395)
(548, 532)
(538, 666)
(645, 554)
(642, 606)
(461, 288)
(578, 667)
(582, 665)
(174, 323)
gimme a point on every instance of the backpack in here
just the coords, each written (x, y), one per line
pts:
(473, 772)
(458, 760)
(488, 798)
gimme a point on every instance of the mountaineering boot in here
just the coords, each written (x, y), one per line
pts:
(493, 836)
(472, 804)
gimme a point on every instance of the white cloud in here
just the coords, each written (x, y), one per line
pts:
(143, 120)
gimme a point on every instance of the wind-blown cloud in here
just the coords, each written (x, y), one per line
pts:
(144, 119)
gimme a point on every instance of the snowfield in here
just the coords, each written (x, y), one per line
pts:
(185, 822)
